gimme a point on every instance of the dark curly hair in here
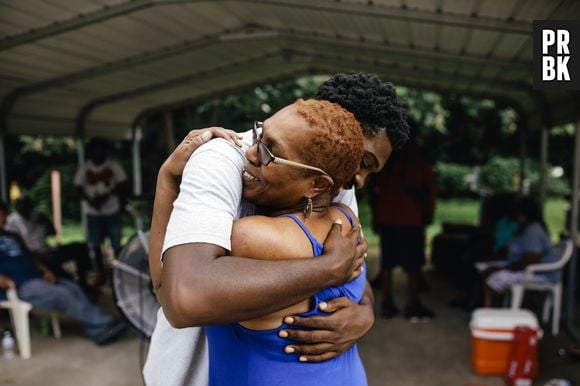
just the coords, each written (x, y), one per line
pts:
(335, 143)
(373, 102)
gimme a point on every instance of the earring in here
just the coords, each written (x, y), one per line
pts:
(308, 207)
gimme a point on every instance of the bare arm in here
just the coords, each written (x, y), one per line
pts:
(195, 287)
(200, 286)
(168, 187)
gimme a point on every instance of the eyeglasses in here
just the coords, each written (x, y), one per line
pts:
(266, 155)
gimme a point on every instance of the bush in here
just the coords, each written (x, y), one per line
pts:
(452, 179)
(40, 193)
(502, 175)
(499, 175)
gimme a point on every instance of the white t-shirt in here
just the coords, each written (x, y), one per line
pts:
(32, 232)
(209, 201)
(98, 180)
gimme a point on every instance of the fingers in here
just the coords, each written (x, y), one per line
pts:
(309, 349)
(334, 305)
(318, 358)
(211, 132)
(336, 225)
(226, 134)
(307, 336)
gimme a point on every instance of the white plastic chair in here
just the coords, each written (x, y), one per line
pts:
(19, 310)
(554, 298)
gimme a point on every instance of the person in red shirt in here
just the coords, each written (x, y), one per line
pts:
(403, 198)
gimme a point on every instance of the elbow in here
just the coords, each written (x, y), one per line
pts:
(183, 305)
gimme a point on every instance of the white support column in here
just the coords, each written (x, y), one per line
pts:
(544, 146)
(137, 173)
(81, 163)
(571, 287)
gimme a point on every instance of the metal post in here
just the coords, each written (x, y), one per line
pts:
(571, 290)
(81, 163)
(544, 144)
(523, 151)
(169, 131)
(137, 176)
(3, 182)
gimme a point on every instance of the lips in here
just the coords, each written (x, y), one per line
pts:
(247, 176)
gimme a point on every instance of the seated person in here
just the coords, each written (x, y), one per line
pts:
(530, 245)
(37, 285)
(33, 228)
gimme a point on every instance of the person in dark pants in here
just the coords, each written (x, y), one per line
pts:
(39, 286)
(33, 228)
(403, 203)
(101, 183)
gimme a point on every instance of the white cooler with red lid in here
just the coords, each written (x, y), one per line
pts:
(492, 333)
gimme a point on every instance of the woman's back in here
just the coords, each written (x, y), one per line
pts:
(252, 353)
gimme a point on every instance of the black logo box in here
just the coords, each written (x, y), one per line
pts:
(573, 28)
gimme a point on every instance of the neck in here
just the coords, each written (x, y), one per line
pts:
(320, 204)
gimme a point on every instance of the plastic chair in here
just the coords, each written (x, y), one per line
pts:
(554, 298)
(19, 311)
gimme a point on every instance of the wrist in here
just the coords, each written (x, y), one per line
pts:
(333, 272)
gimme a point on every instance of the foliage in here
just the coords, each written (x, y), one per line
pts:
(40, 192)
(502, 175)
(452, 179)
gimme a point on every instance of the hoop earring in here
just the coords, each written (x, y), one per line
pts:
(308, 207)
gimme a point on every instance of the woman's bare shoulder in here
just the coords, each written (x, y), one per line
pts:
(260, 237)
(347, 209)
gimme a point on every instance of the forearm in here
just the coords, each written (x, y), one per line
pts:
(165, 194)
(229, 289)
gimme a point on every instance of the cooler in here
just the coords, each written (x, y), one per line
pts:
(492, 336)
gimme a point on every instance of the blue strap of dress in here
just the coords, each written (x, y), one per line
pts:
(317, 246)
(346, 214)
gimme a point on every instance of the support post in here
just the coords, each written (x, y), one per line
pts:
(81, 163)
(571, 288)
(523, 154)
(3, 177)
(544, 146)
(169, 131)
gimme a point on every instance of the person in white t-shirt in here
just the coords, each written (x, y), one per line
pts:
(101, 183)
(34, 228)
(229, 288)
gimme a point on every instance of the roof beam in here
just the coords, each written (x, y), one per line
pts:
(308, 38)
(247, 33)
(131, 62)
(89, 107)
(81, 20)
(372, 9)
(330, 6)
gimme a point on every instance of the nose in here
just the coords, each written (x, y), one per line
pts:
(252, 155)
(360, 179)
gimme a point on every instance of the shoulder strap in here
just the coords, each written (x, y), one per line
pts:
(346, 214)
(316, 245)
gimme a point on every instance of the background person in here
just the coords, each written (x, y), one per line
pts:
(530, 245)
(34, 228)
(403, 203)
(101, 183)
(37, 285)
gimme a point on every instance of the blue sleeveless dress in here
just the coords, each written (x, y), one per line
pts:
(239, 356)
